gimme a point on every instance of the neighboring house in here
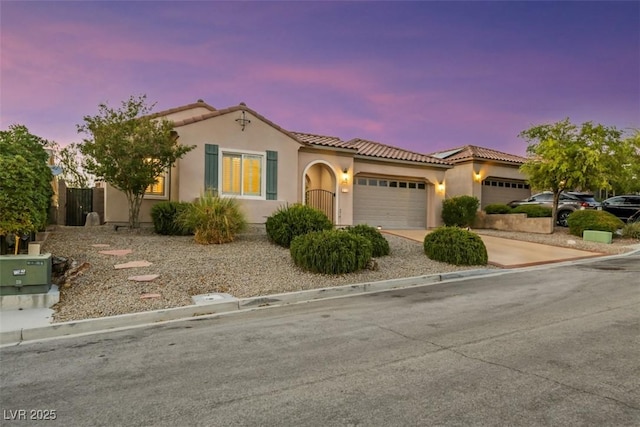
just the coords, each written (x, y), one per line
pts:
(242, 154)
(491, 176)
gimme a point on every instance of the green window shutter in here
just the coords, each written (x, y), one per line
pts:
(211, 167)
(272, 175)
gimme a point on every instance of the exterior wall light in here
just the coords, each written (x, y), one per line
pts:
(345, 176)
(477, 176)
(441, 187)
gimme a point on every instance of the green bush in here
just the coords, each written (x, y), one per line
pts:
(456, 246)
(592, 220)
(380, 245)
(294, 220)
(330, 252)
(631, 230)
(533, 211)
(460, 211)
(214, 219)
(164, 216)
(497, 208)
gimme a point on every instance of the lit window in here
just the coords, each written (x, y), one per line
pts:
(242, 174)
(158, 188)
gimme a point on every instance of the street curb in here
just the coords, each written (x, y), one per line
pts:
(227, 305)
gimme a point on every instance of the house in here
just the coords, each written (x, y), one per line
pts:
(491, 176)
(243, 154)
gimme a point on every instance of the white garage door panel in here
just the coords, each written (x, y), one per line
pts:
(503, 191)
(389, 207)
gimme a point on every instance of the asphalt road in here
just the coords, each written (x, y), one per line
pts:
(555, 346)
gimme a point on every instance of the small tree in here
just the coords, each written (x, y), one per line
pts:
(627, 178)
(563, 156)
(25, 181)
(129, 149)
(70, 159)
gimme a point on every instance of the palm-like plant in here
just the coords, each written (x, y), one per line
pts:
(214, 219)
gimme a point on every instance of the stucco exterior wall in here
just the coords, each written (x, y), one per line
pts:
(335, 161)
(461, 179)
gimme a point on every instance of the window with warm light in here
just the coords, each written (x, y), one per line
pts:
(158, 189)
(242, 174)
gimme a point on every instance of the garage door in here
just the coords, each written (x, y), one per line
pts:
(389, 203)
(499, 190)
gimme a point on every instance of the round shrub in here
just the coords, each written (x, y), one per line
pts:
(456, 246)
(497, 208)
(295, 220)
(330, 252)
(164, 216)
(380, 245)
(460, 211)
(533, 211)
(589, 219)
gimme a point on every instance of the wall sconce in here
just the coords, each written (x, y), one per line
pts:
(441, 187)
(243, 121)
(477, 177)
(345, 176)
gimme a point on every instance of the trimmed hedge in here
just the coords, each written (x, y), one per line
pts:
(295, 220)
(460, 211)
(164, 216)
(497, 208)
(456, 246)
(330, 252)
(533, 211)
(380, 245)
(590, 219)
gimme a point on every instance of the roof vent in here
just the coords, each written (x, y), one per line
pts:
(243, 104)
(200, 101)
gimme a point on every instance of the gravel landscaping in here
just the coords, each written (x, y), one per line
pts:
(250, 266)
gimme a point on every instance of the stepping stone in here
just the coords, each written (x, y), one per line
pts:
(144, 278)
(117, 252)
(150, 296)
(100, 245)
(132, 264)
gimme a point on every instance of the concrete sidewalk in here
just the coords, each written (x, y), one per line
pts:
(507, 253)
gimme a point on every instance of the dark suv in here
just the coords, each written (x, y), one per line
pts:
(622, 206)
(569, 201)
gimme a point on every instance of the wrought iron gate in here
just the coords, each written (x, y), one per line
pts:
(79, 204)
(323, 200)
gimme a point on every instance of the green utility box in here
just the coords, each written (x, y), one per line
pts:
(25, 274)
(597, 236)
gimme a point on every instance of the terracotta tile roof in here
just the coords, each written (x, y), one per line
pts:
(471, 152)
(323, 140)
(376, 149)
(198, 103)
(215, 113)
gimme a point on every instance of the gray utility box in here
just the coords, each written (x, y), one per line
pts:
(25, 274)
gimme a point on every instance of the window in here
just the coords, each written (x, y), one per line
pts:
(362, 181)
(412, 185)
(242, 174)
(382, 183)
(421, 186)
(373, 182)
(393, 184)
(403, 185)
(157, 188)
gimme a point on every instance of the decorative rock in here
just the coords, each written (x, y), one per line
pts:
(92, 220)
(144, 278)
(132, 264)
(571, 242)
(149, 296)
(117, 252)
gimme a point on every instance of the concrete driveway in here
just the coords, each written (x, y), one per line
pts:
(507, 253)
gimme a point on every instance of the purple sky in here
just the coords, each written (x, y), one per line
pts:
(424, 76)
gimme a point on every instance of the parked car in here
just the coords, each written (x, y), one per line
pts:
(624, 207)
(635, 217)
(569, 201)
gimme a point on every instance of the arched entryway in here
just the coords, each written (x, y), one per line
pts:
(320, 187)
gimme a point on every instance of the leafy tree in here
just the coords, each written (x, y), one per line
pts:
(70, 159)
(563, 156)
(129, 149)
(25, 181)
(627, 180)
